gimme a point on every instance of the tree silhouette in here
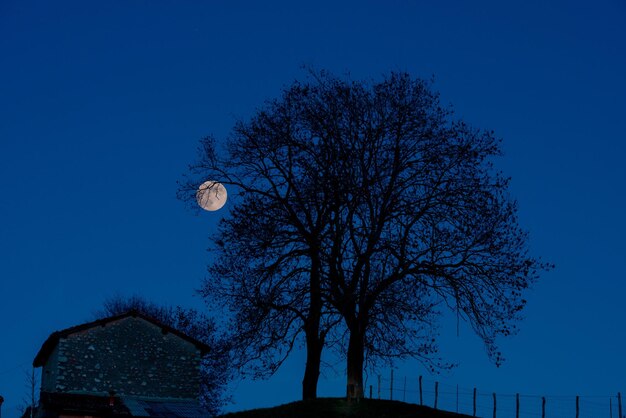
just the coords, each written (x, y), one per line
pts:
(424, 219)
(368, 202)
(268, 253)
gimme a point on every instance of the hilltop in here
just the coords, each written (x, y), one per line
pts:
(340, 408)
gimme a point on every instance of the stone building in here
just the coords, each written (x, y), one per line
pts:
(125, 365)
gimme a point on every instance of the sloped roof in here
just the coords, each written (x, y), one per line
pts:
(56, 404)
(165, 408)
(53, 339)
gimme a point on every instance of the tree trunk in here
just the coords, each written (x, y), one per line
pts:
(314, 343)
(314, 347)
(355, 363)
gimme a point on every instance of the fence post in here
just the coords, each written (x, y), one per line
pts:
(457, 398)
(436, 393)
(404, 391)
(619, 404)
(494, 405)
(370, 391)
(378, 386)
(517, 405)
(577, 406)
(474, 413)
(391, 387)
(421, 401)
(611, 407)
(543, 407)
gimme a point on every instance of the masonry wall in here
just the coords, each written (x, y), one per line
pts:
(50, 371)
(130, 356)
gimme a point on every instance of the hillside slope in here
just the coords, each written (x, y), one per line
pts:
(340, 408)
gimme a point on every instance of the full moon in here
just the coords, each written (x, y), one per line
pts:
(211, 195)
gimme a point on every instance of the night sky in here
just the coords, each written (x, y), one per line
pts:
(102, 105)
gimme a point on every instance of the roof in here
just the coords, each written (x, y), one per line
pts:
(53, 339)
(55, 404)
(166, 408)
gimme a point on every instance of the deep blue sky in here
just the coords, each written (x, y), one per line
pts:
(102, 105)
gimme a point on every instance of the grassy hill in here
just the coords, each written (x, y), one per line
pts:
(340, 408)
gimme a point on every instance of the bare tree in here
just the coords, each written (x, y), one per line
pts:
(365, 201)
(269, 250)
(424, 220)
(28, 407)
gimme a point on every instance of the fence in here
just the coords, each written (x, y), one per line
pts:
(473, 402)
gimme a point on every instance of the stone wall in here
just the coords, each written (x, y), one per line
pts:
(49, 372)
(130, 356)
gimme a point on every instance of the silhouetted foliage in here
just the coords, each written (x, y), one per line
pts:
(366, 201)
(214, 370)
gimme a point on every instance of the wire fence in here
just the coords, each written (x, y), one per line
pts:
(473, 402)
